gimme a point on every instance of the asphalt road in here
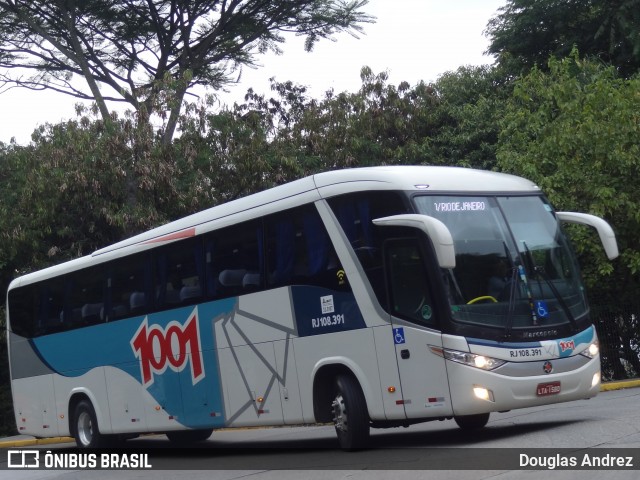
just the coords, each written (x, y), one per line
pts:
(608, 425)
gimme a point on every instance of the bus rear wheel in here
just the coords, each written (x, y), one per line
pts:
(187, 437)
(472, 422)
(350, 416)
(85, 426)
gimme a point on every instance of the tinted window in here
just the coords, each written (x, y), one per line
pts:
(235, 259)
(300, 252)
(179, 275)
(84, 297)
(355, 213)
(410, 297)
(23, 310)
(292, 247)
(130, 287)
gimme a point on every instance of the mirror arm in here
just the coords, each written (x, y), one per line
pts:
(605, 232)
(436, 230)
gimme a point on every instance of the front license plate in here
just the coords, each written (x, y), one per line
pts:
(551, 388)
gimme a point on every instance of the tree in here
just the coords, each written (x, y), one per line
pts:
(527, 32)
(149, 53)
(470, 104)
(453, 121)
(574, 131)
(273, 138)
(80, 186)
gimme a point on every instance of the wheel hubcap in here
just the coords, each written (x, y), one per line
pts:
(85, 428)
(339, 414)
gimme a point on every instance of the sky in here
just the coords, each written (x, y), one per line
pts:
(412, 40)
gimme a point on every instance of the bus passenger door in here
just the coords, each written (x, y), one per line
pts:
(423, 375)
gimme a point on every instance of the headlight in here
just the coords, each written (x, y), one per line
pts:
(591, 351)
(479, 361)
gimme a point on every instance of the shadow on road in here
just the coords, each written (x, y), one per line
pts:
(389, 449)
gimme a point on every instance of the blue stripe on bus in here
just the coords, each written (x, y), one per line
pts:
(566, 346)
(111, 344)
(188, 388)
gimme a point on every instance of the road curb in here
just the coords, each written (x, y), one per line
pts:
(28, 442)
(45, 441)
(619, 385)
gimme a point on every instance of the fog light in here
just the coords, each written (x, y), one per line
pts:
(483, 393)
(595, 380)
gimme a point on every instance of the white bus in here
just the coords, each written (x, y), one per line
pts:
(370, 298)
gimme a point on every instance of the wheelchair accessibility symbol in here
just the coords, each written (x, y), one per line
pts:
(541, 309)
(398, 336)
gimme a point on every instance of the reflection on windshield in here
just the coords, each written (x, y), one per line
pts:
(514, 268)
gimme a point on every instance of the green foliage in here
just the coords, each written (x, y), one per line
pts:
(574, 131)
(379, 124)
(287, 135)
(471, 102)
(528, 32)
(79, 186)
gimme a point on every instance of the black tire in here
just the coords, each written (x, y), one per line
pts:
(472, 422)
(85, 426)
(188, 437)
(350, 416)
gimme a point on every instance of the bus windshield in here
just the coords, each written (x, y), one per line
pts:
(514, 267)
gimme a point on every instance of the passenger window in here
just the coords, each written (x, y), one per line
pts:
(234, 260)
(51, 307)
(130, 287)
(179, 274)
(407, 280)
(84, 298)
(23, 308)
(355, 213)
(300, 252)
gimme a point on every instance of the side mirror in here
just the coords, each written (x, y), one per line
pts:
(436, 230)
(607, 237)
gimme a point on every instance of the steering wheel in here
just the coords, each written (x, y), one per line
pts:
(480, 299)
(424, 299)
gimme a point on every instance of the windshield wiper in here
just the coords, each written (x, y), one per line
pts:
(513, 286)
(542, 272)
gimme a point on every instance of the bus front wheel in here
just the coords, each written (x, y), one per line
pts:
(350, 416)
(472, 422)
(86, 431)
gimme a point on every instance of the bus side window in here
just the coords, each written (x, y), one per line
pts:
(51, 306)
(299, 251)
(355, 212)
(234, 260)
(23, 309)
(36, 309)
(284, 261)
(179, 273)
(407, 280)
(84, 298)
(129, 286)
